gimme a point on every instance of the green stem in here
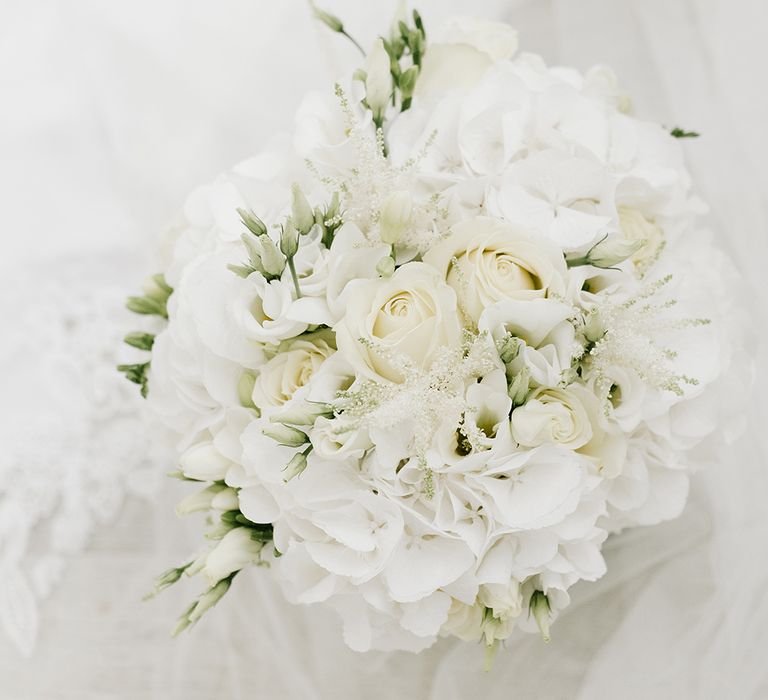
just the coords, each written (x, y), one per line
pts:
(343, 32)
(295, 277)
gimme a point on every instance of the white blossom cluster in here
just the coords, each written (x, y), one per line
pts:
(444, 342)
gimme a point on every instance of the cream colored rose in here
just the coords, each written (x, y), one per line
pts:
(552, 416)
(636, 227)
(291, 369)
(408, 317)
(486, 261)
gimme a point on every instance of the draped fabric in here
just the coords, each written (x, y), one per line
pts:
(109, 114)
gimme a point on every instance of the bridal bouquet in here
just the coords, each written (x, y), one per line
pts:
(426, 356)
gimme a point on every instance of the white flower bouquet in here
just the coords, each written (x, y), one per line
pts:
(427, 356)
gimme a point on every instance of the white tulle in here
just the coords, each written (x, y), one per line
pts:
(111, 113)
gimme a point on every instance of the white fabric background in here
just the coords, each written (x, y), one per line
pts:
(111, 112)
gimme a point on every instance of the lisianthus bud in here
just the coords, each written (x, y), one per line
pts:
(612, 251)
(271, 258)
(254, 249)
(245, 390)
(518, 389)
(395, 216)
(303, 216)
(540, 610)
(204, 462)
(234, 551)
(305, 414)
(285, 435)
(226, 499)
(509, 348)
(329, 20)
(252, 222)
(289, 238)
(199, 501)
(386, 266)
(378, 80)
(155, 287)
(297, 465)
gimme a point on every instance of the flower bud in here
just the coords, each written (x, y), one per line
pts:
(285, 435)
(289, 238)
(378, 81)
(408, 82)
(395, 216)
(142, 341)
(386, 266)
(245, 390)
(540, 610)
(155, 287)
(234, 551)
(209, 599)
(203, 462)
(271, 258)
(612, 251)
(297, 465)
(306, 414)
(253, 223)
(518, 389)
(225, 500)
(329, 20)
(198, 501)
(303, 215)
(509, 348)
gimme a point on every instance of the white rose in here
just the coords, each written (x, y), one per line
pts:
(333, 439)
(551, 415)
(291, 369)
(487, 261)
(636, 227)
(406, 318)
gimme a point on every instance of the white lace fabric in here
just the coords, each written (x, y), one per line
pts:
(74, 438)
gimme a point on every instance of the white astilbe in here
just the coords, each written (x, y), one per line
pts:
(426, 399)
(366, 186)
(630, 339)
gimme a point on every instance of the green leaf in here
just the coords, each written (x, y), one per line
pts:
(679, 133)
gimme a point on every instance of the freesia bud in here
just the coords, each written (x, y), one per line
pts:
(234, 551)
(203, 462)
(285, 435)
(209, 599)
(303, 215)
(395, 216)
(378, 80)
